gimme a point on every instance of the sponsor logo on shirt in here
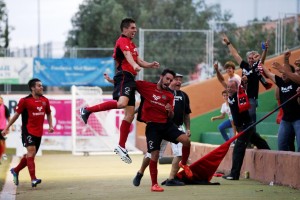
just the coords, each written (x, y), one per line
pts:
(178, 98)
(247, 73)
(286, 89)
(39, 108)
(156, 97)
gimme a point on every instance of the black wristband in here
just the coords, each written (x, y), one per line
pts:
(228, 43)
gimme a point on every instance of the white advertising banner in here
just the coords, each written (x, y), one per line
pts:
(16, 70)
(61, 138)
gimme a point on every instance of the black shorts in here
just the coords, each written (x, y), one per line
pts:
(31, 140)
(124, 86)
(156, 132)
(1, 136)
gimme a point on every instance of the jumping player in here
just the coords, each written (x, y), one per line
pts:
(129, 64)
(33, 109)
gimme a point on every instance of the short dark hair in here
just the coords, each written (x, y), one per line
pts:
(229, 64)
(168, 71)
(32, 82)
(224, 92)
(126, 23)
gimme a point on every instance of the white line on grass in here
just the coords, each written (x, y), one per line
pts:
(9, 188)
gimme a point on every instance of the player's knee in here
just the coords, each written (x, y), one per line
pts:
(121, 104)
(186, 142)
(129, 118)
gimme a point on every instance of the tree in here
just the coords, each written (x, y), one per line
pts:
(96, 24)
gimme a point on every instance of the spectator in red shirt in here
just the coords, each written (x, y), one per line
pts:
(128, 65)
(157, 112)
(33, 109)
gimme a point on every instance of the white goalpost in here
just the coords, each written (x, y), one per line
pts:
(101, 134)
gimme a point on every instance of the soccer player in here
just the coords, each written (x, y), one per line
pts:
(157, 112)
(182, 112)
(129, 64)
(33, 109)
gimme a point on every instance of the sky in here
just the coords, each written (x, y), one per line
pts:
(55, 16)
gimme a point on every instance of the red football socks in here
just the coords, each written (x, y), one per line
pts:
(185, 154)
(31, 167)
(153, 171)
(108, 105)
(124, 132)
(22, 164)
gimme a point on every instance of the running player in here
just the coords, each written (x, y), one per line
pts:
(33, 109)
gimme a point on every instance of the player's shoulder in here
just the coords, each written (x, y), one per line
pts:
(26, 98)
(123, 38)
(44, 98)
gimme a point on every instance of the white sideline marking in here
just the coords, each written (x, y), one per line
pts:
(9, 188)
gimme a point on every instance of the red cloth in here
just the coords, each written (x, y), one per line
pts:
(243, 100)
(205, 167)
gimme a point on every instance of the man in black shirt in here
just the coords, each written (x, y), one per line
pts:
(242, 120)
(250, 73)
(290, 123)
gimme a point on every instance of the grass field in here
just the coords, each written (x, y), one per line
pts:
(107, 177)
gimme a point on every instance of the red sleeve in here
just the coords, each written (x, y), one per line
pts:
(20, 106)
(124, 44)
(48, 110)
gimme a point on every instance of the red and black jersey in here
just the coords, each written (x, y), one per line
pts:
(125, 44)
(155, 101)
(33, 113)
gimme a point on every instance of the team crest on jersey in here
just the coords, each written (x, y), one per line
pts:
(39, 108)
(164, 97)
(156, 97)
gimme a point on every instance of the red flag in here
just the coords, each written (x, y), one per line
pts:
(204, 168)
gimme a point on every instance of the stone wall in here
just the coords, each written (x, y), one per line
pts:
(279, 167)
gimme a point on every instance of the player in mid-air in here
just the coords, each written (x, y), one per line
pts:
(128, 65)
(33, 109)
